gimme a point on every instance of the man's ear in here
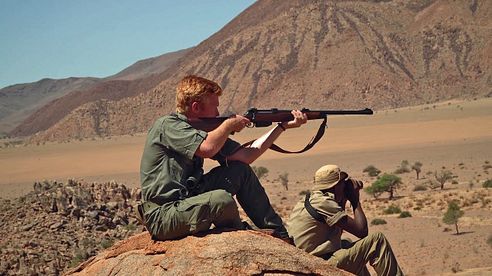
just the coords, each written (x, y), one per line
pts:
(195, 107)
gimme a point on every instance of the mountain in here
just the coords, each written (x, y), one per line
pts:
(319, 54)
(19, 101)
(28, 108)
(149, 66)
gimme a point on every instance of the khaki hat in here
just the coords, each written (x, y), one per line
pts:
(327, 177)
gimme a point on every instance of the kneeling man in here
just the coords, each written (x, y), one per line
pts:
(317, 222)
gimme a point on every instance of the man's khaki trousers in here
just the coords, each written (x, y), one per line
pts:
(374, 249)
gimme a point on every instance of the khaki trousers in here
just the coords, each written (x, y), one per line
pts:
(374, 249)
(215, 205)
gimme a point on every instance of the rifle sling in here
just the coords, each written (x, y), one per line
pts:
(310, 209)
(314, 140)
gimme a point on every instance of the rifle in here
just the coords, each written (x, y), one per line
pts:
(265, 118)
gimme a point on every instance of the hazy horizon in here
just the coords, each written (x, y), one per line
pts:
(60, 39)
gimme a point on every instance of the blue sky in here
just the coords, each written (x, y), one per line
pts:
(65, 38)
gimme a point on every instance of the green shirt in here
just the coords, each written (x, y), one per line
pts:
(309, 234)
(169, 157)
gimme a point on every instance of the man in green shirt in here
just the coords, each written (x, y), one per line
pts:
(178, 198)
(317, 222)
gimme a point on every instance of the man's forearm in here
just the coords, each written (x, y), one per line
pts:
(258, 147)
(360, 218)
(214, 141)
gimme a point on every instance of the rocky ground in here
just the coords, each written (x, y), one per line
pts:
(58, 225)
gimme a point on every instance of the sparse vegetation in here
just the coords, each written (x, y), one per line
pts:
(417, 167)
(372, 171)
(80, 256)
(453, 214)
(489, 240)
(420, 187)
(487, 183)
(386, 183)
(130, 227)
(260, 171)
(392, 209)
(403, 168)
(443, 176)
(107, 243)
(284, 180)
(378, 221)
(405, 214)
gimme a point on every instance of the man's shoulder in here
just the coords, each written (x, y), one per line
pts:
(170, 120)
(324, 201)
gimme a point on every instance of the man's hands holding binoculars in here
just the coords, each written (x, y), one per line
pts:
(352, 188)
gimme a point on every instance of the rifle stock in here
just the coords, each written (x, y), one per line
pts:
(265, 117)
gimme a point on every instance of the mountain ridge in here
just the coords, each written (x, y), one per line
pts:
(325, 54)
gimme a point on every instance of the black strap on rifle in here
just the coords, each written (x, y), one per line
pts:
(314, 140)
(317, 216)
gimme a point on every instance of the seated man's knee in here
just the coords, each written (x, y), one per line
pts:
(377, 236)
(222, 199)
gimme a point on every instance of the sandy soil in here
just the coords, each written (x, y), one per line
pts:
(454, 135)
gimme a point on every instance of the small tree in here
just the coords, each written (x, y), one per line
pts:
(417, 167)
(386, 183)
(260, 171)
(403, 168)
(443, 176)
(372, 171)
(452, 215)
(284, 180)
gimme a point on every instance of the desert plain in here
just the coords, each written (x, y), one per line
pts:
(453, 135)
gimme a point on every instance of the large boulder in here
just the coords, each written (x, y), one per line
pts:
(217, 253)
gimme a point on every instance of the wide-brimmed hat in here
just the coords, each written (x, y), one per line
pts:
(327, 177)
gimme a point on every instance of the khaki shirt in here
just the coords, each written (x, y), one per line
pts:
(169, 157)
(312, 236)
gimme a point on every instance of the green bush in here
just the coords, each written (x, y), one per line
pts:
(405, 214)
(386, 183)
(130, 227)
(489, 241)
(392, 209)
(487, 184)
(105, 243)
(453, 214)
(378, 221)
(372, 171)
(80, 256)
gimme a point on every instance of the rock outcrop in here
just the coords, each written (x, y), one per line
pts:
(58, 225)
(217, 253)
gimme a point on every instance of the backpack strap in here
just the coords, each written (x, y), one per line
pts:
(317, 216)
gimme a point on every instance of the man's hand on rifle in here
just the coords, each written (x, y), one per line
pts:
(299, 119)
(236, 123)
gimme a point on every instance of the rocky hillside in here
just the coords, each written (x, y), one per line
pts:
(29, 108)
(321, 54)
(57, 225)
